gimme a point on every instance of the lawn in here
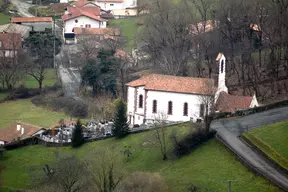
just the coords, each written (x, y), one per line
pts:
(50, 79)
(274, 135)
(24, 110)
(207, 167)
(4, 19)
(128, 29)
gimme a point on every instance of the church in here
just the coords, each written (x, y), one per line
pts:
(180, 99)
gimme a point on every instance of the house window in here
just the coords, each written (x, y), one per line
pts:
(87, 26)
(140, 101)
(170, 107)
(201, 110)
(185, 109)
(111, 5)
(73, 30)
(76, 21)
(222, 66)
(154, 107)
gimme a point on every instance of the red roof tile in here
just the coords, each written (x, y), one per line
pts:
(11, 132)
(230, 103)
(97, 31)
(31, 19)
(176, 84)
(74, 12)
(81, 3)
(10, 41)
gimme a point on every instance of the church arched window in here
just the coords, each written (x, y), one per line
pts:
(170, 107)
(154, 107)
(140, 101)
(185, 109)
(222, 66)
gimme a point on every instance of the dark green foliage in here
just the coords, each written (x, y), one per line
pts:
(120, 126)
(101, 74)
(191, 142)
(77, 136)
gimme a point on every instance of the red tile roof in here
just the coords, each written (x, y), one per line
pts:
(81, 3)
(116, 1)
(97, 31)
(74, 12)
(176, 84)
(10, 41)
(230, 103)
(11, 133)
(31, 19)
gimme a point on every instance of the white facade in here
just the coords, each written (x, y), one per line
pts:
(82, 21)
(110, 5)
(2, 142)
(222, 75)
(139, 115)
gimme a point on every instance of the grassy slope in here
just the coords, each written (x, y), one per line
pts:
(274, 135)
(206, 167)
(128, 29)
(23, 110)
(4, 19)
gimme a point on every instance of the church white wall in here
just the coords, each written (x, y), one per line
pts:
(254, 102)
(178, 100)
(130, 100)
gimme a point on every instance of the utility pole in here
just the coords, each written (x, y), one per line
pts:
(229, 184)
(54, 56)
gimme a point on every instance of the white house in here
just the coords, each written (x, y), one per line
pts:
(181, 98)
(83, 18)
(116, 4)
(10, 45)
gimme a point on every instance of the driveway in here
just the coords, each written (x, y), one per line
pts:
(70, 76)
(22, 8)
(229, 130)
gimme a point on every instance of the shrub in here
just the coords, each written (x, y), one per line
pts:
(192, 141)
(79, 109)
(141, 181)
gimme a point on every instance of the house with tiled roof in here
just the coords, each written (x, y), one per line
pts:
(38, 24)
(96, 33)
(82, 15)
(19, 131)
(181, 98)
(10, 45)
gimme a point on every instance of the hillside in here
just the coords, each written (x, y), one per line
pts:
(207, 167)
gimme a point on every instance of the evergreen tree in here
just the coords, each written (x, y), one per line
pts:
(77, 136)
(120, 125)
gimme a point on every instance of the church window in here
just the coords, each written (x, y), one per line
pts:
(154, 107)
(140, 101)
(185, 109)
(201, 110)
(222, 66)
(170, 107)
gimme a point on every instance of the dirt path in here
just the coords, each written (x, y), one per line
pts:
(22, 8)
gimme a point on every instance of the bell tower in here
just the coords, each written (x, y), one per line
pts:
(221, 77)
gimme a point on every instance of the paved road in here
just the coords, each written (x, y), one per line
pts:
(22, 8)
(228, 131)
(70, 76)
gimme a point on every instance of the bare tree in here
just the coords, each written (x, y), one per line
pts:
(67, 175)
(105, 169)
(11, 57)
(208, 101)
(167, 35)
(161, 134)
(142, 182)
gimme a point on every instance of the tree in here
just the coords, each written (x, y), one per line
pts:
(40, 46)
(11, 59)
(208, 101)
(142, 182)
(106, 169)
(167, 35)
(100, 73)
(120, 125)
(68, 174)
(161, 133)
(77, 136)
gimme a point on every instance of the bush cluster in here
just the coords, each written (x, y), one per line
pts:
(191, 141)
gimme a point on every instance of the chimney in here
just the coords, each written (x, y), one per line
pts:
(22, 130)
(18, 127)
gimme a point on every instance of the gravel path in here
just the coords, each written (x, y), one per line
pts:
(22, 8)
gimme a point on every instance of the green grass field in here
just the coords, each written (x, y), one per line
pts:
(206, 167)
(4, 19)
(274, 135)
(128, 29)
(24, 110)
